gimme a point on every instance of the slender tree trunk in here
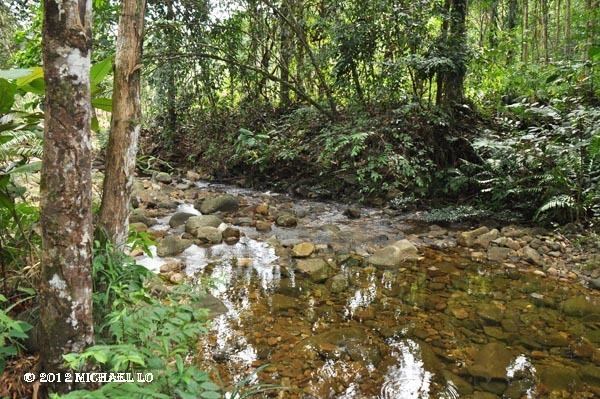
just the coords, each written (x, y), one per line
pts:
(557, 49)
(493, 32)
(510, 24)
(545, 19)
(170, 72)
(568, 43)
(444, 37)
(285, 39)
(525, 34)
(65, 289)
(125, 124)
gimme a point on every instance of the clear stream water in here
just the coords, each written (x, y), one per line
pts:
(443, 327)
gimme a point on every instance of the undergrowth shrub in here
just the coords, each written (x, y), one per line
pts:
(547, 168)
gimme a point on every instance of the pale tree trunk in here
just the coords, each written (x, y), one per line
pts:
(65, 289)
(125, 124)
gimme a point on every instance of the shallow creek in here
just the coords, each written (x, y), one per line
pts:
(441, 327)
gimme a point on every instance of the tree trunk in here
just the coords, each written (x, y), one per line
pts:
(524, 42)
(285, 39)
(452, 82)
(125, 124)
(170, 72)
(545, 18)
(65, 289)
(510, 24)
(568, 44)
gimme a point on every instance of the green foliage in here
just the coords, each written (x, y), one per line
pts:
(12, 332)
(114, 274)
(547, 168)
(149, 335)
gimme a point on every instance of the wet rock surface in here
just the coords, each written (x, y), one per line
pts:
(443, 313)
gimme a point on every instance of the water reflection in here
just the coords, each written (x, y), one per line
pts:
(408, 379)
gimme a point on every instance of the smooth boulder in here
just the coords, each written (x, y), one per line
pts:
(220, 203)
(172, 245)
(395, 254)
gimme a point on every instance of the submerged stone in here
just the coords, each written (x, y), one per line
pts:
(316, 269)
(491, 361)
(303, 250)
(579, 306)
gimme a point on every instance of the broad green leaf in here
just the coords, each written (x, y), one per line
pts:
(6, 201)
(12, 74)
(36, 86)
(102, 103)
(7, 95)
(210, 386)
(210, 395)
(27, 168)
(95, 124)
(36, 73)
(99, 71)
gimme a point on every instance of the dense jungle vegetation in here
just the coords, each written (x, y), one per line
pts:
(464, 111)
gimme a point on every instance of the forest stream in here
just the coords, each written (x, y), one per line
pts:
(305, 301)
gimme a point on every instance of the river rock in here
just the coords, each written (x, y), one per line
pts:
(579, 306)
(138, 216)
(163, 177)
(196, 222)
(352, 213)
(595, 283)
(557, 376)
(499, 254)
(533, 256)
(177, 278)
(491, 361)
(337, 283)
(282, 303)
(484, 240)
(303, 250)
(262, 209)
(463, 388)
(179, 218)
(286, 219)
(350, 340)
(192, 175)
(138, 227)
(395, 254)
(231, 235)
(507, 242)
(172, 245)
(315, 268)
(172, 265)
(220, 203)
(263, 226)
(590, 374)
(208, 235)
(467, 238)
(490, 313)
(214, 306)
